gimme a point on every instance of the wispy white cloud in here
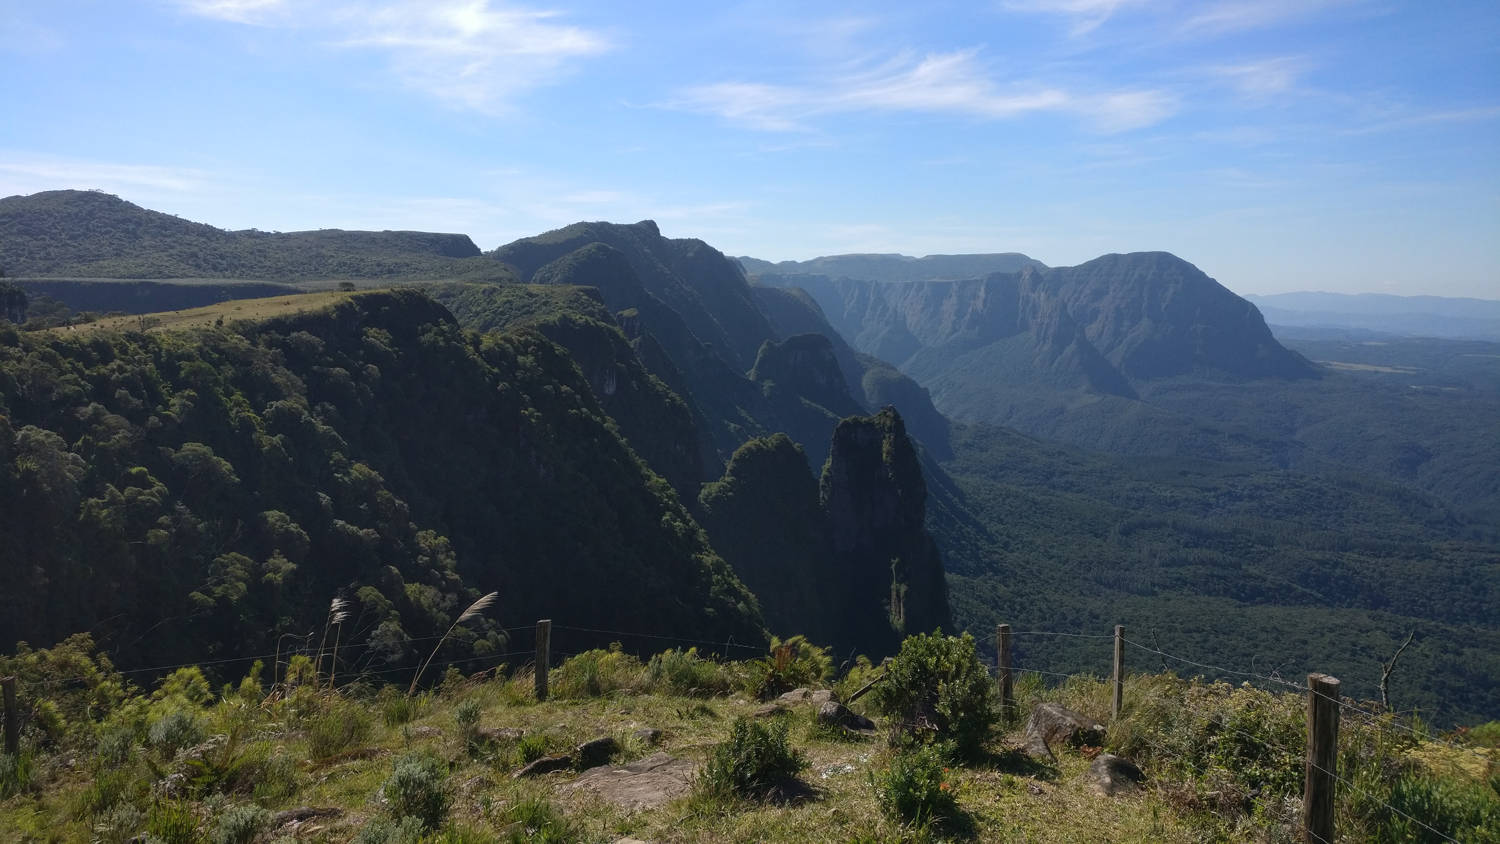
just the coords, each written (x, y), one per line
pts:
(1228, 16)
(1409, 119)
(954, 83)
(1264, 78)
(28, 172)
(474, 54)
(235, 11)
(1085, 15)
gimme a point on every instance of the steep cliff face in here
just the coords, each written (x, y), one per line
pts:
(1100, 325)
(705, 288)
(1154, 315)
(876, 500)
(765, 517)
(848, 560)
(801, 382)
(873, 382)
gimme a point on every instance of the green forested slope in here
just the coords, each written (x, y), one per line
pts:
(189, 496)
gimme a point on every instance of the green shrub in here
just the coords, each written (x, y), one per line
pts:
(240, 824)
(677, 672)
(594, 673)
(1450, 808)
(914, 789)
(174, 731)
(276, 777)
(466, 715)
(338, 727)
(408, 830)
(120, 826)
(937, 690)
(538, 821)
(533, 746)
(792, 664)
(418, 788)
(755, 759)
(396, 708)
(113, 744)
(1254, 738)
(16, 773)
(170, 822)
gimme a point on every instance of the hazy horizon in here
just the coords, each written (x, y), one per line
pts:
(1345, 146)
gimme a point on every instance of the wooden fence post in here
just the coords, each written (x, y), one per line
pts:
(543, 656)
(12, 718)
(1119, 671)
(1003, 670)
(1322, 758)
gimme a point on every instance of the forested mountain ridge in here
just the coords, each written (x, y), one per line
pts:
(90, 234)
(193, 495)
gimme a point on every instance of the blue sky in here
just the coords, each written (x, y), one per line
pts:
(1344, 145)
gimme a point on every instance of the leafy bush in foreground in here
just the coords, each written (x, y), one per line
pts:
(937, 690)
(755, 759)
(418, 788)
(914, 789)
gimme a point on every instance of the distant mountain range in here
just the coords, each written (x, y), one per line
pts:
(108, 237)
(1408, 316)
(1124, 441)
(892, 267)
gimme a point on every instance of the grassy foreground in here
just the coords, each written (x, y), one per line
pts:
(185, 762)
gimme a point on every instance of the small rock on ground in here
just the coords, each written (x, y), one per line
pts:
(1113, 775)
(595, 752)
(545, 765)
(835, 714)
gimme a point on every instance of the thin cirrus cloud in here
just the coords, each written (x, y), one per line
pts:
(472, 54)
(1186, 18)
(952, 83)
(1085, 15)
(1263, 78)
(24, 172)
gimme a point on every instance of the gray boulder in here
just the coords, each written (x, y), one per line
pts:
(1051, 726)
(835, 714)
(1111, 774)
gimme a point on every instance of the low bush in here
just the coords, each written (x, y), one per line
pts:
(915, 788)
(594, 673)
(418, 788)
(173, 731)
(170, 822)
(792, 664)
(538, 822)
(936, 690)
(678, 672)
(240, 824)
(396, 708)
(337, 727)
(17, 773)
(754, 760)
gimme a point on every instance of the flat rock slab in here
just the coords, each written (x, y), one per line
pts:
(646, 784)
